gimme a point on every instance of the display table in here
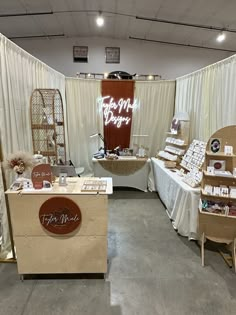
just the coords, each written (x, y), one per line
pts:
(39, 251)
(181, 200)
(125, 171)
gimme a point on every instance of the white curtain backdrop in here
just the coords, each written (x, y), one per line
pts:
(20, 74)
(209, 96)
(154, 116)
(84, 120)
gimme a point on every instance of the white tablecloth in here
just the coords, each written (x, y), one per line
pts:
(138, 180)
(180, 199)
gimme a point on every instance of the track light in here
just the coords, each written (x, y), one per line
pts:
(100, 20)
(221, 37)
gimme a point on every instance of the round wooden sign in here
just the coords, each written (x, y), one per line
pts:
(60, 215)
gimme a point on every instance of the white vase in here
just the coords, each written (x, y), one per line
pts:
(19, 177)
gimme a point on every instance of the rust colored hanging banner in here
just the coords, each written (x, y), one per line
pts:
(117, 104)
(60, 215)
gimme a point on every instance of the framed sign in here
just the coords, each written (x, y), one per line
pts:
(112, 54)
(80, 54)
(41, 173)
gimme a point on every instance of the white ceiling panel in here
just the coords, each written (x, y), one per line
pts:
(148, 8)
(34, 5)
(50, 26)
(9, 6)
(19, 27)
(59, 5)
(67, 23)
(139, 28)
(122, 27)
(76, 18)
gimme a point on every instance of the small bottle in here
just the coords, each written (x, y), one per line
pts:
(62, 180)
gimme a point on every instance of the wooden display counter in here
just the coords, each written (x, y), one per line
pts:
(42, 246)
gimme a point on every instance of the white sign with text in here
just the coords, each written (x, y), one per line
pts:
(107, 105)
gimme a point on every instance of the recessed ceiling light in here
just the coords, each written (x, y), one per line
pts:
(100, 20)
(221, 37)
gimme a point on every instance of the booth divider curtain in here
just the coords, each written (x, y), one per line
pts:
(154, 114)
(20, 74)
(208, 95)
(84, 119)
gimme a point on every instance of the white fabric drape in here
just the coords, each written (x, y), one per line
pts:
(20, 74)
(84, 120)
(154, 115)
(5, 243)
(208, 95)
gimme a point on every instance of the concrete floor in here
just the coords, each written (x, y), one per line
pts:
(152, 270)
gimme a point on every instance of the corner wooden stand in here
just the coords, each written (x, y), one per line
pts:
(217, 227)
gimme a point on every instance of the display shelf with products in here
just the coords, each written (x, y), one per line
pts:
(177, 139)
(217, 212)
(47, 124)
(192, 162)
(220, 154)
(195, 155)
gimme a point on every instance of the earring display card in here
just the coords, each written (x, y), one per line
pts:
(193, 178)
(228, 150)
(215, 145)
(195, 155)
(94, 185)
(218, 165)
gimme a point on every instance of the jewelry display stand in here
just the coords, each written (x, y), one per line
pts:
(192, 161)
(177, 139)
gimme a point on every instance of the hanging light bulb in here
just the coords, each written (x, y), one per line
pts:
(221, 37)
(100, 20)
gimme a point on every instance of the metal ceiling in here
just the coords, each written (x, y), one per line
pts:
(193, 23)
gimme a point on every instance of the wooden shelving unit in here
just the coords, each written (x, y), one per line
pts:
(217, 221)
(47, 124)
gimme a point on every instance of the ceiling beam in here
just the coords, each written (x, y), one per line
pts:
(37, 36)
(25, 14)
(179, 44)
(207, 27)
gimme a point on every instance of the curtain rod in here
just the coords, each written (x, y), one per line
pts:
(179, 44)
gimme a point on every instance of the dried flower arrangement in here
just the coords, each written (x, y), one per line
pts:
(19, 162)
